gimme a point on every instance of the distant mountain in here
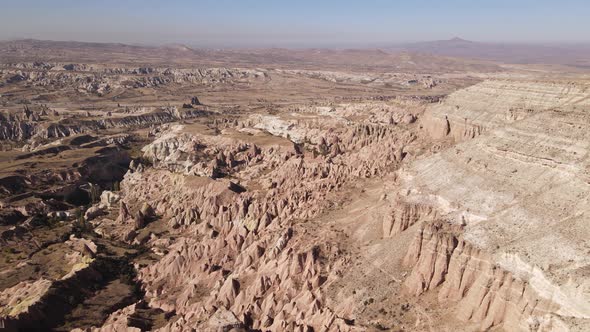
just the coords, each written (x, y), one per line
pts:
(520, 53)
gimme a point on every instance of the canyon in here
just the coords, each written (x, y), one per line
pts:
(355, 190)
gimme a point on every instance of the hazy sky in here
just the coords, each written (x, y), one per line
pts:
(295, 22)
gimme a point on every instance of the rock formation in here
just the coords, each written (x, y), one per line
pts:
(361, 198)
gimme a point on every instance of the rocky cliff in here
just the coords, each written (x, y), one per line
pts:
(494, 103)
(515, 254)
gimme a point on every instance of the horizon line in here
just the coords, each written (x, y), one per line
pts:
(315, 45)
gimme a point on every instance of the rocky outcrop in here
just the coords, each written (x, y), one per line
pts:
(93, 212)
(370, 79)
(109, 198)
(515, 191)
(402, 215)
(469, 112)
(90, 80)
(12, 128)
(268, 296)
(17, 300)
(482, 292)
(19, 130)
(237, 243)
(38, 304)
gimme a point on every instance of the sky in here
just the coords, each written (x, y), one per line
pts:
(297, 23)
